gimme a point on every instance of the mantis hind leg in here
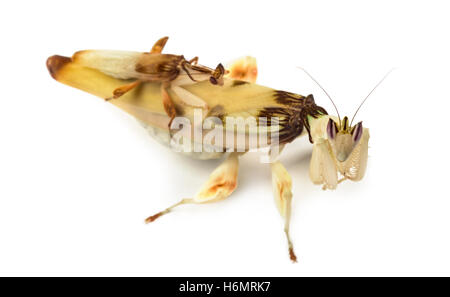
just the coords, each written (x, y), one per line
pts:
(159, 45)
(221, 183)
(122, 90)
(282, 190)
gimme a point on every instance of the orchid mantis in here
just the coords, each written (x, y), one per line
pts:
(340, 150)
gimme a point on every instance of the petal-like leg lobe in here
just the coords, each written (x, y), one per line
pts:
(282, 190)
(221, 183)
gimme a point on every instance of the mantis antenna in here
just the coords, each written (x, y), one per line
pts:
(370, 93)
(322, 90)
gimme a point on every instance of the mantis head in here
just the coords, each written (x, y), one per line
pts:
(342, 138)
(339, 148)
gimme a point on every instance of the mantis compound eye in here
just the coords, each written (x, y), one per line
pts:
(357, 132)
(217, 76)
(220, 70)
(332, 129)
(213, 80)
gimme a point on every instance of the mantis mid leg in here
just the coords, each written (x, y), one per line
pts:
(156, 49)
(193, 61)
(159, 45)
(221, 183)
(120, 91)
(282, 190)
(168, 104)
(186, 98)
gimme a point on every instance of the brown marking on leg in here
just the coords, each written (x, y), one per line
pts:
(167, 210)
(169, 107)
(282, 184)
(220, 185)
(153, 217)
(120, 91)
(159, 45)
(292, 255)
(222, 181)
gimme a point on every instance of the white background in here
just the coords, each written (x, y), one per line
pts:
(78, 176)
